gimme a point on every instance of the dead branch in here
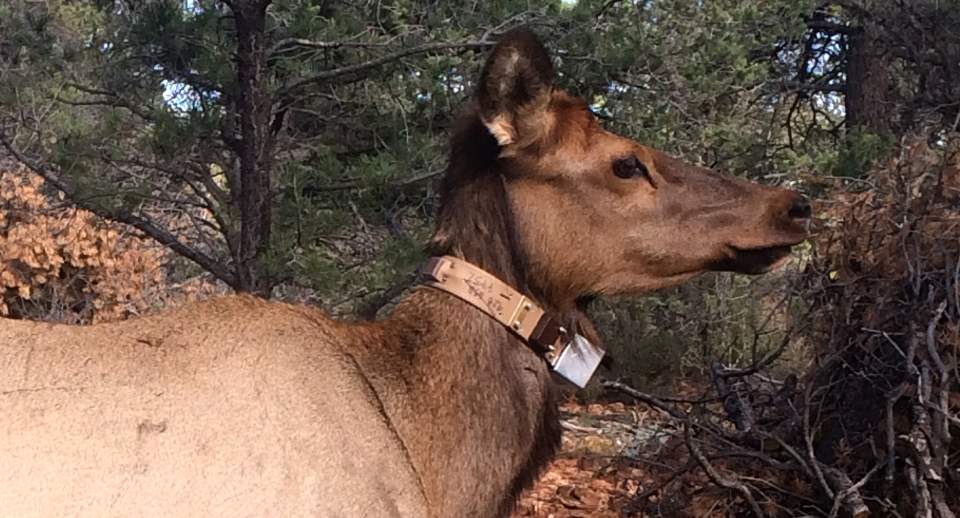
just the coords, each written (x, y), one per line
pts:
(359, 68)
(716, 477)
(737, 407)
(141, 223)
(645, 398)
(848, 494)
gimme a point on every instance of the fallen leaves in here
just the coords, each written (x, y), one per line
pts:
(591, 477)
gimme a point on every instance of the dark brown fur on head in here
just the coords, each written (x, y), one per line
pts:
(475, 219)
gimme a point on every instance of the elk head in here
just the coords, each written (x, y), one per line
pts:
(595, 213)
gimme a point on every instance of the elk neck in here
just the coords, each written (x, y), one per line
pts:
(473, 405)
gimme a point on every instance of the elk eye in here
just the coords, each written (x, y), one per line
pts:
(630, 167)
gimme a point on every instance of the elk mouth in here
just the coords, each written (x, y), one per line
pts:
(754, 261)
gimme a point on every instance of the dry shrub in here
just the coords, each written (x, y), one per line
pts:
(64, 264)
(885, 290)
(867, 427)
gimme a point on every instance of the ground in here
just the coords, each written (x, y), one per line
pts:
(621, 459)
(597, 472)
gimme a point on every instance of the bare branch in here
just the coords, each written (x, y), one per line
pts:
(830, 27)
(111, 99)
(646, 398)
(127, 217)
(848, 494)
(287, 44)
(763, 362)
(352, 70)
(715, 475)
(356, 184)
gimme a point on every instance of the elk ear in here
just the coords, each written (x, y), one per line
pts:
(514, 89)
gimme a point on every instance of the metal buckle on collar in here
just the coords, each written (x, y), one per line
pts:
(430, 270)
(576, 360)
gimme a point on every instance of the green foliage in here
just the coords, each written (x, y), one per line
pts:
(859, 153)
(693, 78)
(725, 318)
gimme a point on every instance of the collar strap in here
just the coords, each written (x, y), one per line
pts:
(497, 299)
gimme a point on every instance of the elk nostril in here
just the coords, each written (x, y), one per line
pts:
(799, 209)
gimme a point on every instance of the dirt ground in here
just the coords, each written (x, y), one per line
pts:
(600, 470)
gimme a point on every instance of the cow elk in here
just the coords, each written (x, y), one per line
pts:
(445, 408)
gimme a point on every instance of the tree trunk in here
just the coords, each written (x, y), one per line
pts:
(255, 148)
(867, 102)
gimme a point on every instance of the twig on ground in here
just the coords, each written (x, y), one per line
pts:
(567, 425)
(646, 398)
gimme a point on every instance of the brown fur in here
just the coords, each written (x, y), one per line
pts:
(243, 407)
